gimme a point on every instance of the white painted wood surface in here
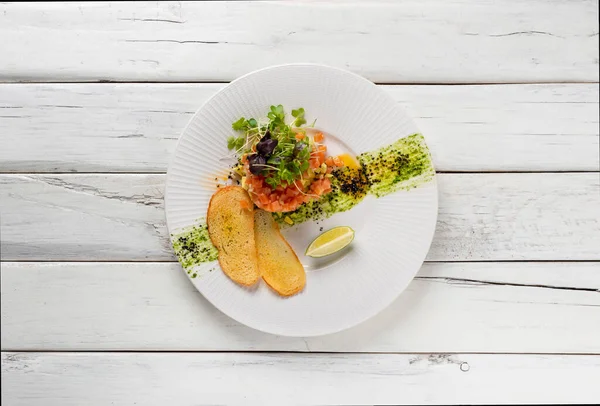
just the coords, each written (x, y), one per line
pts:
(134, 127)
(508, 307)
(93, 379)
(475, 295)
(436, 41)
(121, 217)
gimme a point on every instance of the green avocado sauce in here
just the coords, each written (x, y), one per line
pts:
(403, 165)
(193, 246)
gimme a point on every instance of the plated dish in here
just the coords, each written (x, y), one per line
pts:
(271, 163)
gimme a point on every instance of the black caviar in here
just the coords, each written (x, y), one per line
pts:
(351, 181)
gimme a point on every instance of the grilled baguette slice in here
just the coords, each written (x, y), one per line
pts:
(278, 264)
(230, 221)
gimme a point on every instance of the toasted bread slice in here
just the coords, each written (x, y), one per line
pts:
(230, 221)
(277, 261)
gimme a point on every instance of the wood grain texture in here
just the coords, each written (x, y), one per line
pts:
(52, 379)
(84, 218)
(449, 307)
(410, 42)
(134, 127)
(121, 217)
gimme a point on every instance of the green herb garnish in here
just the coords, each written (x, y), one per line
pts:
(244, 125)
(288, 160)
(236, 142)
(299, 115)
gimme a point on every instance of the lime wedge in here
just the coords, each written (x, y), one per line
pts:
(330, 242)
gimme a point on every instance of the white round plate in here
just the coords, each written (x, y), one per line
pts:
(393, 233)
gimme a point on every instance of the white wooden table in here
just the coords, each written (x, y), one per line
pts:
(95, 309)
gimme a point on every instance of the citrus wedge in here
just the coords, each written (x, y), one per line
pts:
(330, 242)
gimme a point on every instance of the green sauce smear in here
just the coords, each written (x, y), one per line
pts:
(193, 246)
(403, 165)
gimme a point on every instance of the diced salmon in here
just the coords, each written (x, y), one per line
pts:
(321, 186)
(276, 207)
(291, 193)
(264, 199)
(321, 157)
(288, 197)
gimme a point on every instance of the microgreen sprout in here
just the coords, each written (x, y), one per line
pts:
(272, 147)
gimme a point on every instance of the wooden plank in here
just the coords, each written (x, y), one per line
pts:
(121, 217)
(134, 127)
(410, 42)
(449, 307)
(54, 379)
(91, 218)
